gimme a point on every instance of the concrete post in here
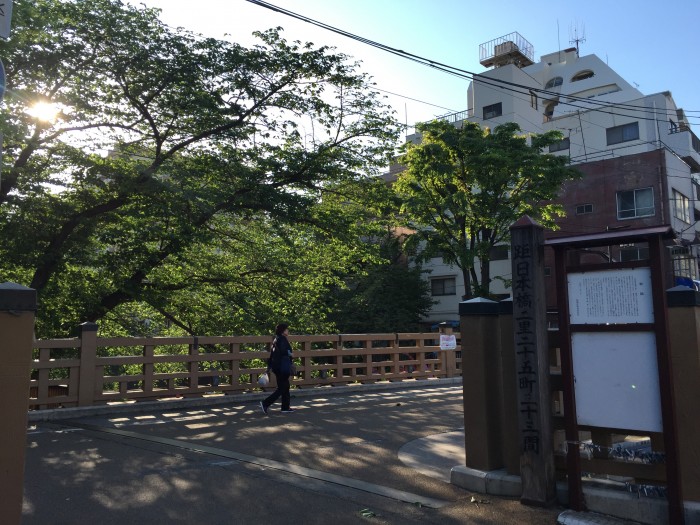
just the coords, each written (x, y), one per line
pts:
(684, 334)
(481, 383)
(17, 307)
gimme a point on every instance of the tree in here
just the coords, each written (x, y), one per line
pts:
(388, 296)
(174, 164)
(464, 186)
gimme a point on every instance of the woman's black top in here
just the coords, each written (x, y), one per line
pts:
(281, 349)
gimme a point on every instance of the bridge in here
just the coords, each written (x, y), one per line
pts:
(355, 454)
(170, 429)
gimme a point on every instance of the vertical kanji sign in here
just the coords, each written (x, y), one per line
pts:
(532, 364)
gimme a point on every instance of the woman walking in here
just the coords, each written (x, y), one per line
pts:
(280, 362)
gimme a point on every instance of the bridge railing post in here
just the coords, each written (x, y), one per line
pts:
(88, 356)
(482, 384)
(17, 307)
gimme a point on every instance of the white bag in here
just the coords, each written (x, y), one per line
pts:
(263, 380)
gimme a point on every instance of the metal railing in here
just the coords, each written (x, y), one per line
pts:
(453, 118)
(504, 45)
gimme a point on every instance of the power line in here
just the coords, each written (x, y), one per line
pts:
(462, 73)
(203, 38)
(570, 99)
(410, 98)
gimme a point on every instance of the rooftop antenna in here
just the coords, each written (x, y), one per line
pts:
(558, 40)
(576, 38)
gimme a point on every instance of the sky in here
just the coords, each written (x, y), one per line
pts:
(651, 44)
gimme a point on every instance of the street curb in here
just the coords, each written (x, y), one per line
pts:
(607, 506)
(57, 414)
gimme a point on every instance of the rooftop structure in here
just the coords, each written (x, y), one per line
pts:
(508, 49)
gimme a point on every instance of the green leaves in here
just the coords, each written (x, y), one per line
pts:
(464, 187)
(173, 172)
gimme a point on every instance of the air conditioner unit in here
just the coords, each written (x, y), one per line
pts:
(505, 48)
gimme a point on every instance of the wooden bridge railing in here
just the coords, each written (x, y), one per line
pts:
(88, 370)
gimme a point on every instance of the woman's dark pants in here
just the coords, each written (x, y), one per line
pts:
(282, 390)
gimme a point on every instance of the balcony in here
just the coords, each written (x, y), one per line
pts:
(694, 144)
(508, 49)
(454, 118)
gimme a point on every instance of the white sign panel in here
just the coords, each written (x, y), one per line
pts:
(5, 18)
(616, 380)
(448, 342)
(611, 297)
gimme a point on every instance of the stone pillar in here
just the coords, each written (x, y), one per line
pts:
(531, 346)
(17, 307)
(684, 334)
(481, 383)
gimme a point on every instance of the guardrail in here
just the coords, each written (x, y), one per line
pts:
(88, 370)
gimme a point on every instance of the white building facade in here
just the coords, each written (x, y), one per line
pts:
(639, 156)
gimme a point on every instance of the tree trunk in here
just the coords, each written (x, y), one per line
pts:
(485, 285)
(467, 285)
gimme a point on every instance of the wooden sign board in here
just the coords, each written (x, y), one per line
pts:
(616, 380)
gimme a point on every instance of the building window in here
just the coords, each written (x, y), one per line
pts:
(634, 253)
(635, 203)
(493, 111)
(562, 145)
(499, 253)
(547, 271)
(684, 266)
(533, 100)
(623, 133)
(582, 209)
(681, 206)
(582, 75)
(553, 82)
(443, 286)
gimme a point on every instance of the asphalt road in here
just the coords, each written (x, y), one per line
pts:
(335, 460)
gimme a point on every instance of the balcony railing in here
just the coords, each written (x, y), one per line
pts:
(452, 118)
(510, 45)
(694, 141)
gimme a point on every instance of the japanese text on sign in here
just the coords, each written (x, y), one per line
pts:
(619, 296)
(525, 349)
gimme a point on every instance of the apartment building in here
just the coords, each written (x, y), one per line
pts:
(638, 154)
